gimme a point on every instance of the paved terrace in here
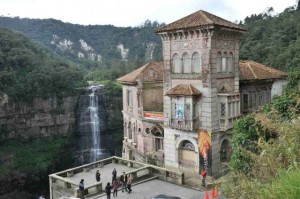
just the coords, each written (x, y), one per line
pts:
(148, 181)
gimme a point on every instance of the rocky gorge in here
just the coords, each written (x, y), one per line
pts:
(48, 135)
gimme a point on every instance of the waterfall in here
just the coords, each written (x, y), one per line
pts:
(94, 140)
(95, 127)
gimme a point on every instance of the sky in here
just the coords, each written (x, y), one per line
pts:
(124, 13)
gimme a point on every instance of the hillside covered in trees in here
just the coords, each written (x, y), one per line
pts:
(114, 50)
(265, 162)
(273, 40)
(28, 70)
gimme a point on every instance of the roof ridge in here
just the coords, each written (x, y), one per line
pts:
(251, 69)
(203, 13)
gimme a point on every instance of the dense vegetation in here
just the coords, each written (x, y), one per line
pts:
(26, 163)
(266, 149)
(273, 40)
(103, 39)
(27, 70)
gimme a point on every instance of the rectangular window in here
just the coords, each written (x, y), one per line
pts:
(223, 111)
(139, 100)
(187, 111)
(159, 144)
(245, 101)
(179, 108)
(268, 97)
(254, 100)
(129, 98)
(229, 109)
(233, 109)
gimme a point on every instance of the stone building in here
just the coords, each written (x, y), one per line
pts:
(143, 113)
(204, 90)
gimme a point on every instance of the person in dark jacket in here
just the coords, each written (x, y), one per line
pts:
(108, 190)
(98, 176)
(81, 188)
(123, 180)
(114, 175)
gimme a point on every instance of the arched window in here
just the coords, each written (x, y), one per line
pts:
(225, 151)
(219, 62)
(158, 133)
(186, 63)
(224, 63)
(129, 131)
(230, 62)
(125, 129)
(187, 145)
(176, 64)
(196, 63)
(134, 135)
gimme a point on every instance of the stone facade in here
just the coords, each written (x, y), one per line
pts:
(142, 114)
(202, 86)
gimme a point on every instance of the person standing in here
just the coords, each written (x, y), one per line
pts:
(98, 176)
(129, 181)
(81, 188)
(115, 186)
(108, 190)
(114, 175)
(123, 180)
(203, 174)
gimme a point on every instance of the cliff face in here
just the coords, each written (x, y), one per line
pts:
(40, 118)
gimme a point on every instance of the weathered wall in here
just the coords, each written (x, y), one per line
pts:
(42, 117)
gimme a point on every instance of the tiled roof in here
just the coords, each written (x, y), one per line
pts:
(250, 70)
(197, 20)
(183, 89)
(148, 73)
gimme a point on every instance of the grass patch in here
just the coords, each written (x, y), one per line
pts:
(286, 185)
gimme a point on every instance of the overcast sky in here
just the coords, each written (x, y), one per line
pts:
(134, 12)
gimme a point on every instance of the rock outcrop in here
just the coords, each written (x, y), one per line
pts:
(42, 117)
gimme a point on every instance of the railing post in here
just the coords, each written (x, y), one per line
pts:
(70, 173)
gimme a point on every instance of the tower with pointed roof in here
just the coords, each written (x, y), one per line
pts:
(201, 79)
(178, 113)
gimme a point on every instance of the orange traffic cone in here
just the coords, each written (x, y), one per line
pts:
(206, 195)
(212, 193)
(216, 191)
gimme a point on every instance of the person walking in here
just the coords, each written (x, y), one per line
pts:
(115, 186)
(123, 180)
(129, 181)
(108, 190)
(114, 175)
(98, 176)
(81, 188)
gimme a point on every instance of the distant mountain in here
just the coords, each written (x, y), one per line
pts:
(99, 43)
(271, 40)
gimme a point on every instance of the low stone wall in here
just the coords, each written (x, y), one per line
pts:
(61, 187)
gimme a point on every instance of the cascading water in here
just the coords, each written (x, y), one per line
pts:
(95, 128)
(94, 141)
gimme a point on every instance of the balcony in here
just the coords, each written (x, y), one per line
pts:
(184, 125)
